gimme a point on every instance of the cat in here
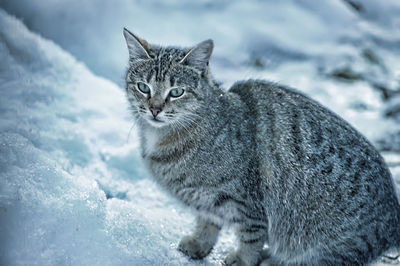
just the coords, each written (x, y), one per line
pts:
(282, 169)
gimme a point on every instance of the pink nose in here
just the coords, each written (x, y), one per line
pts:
(155, 111)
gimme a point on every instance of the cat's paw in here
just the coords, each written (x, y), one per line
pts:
(267, 259)
(193, 248)
(233, 259)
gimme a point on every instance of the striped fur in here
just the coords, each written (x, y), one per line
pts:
(278, 166)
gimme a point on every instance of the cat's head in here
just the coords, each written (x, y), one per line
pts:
(165, 86)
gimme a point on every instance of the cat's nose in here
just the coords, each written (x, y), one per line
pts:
(155, 111)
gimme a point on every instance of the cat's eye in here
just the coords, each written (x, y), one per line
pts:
(143, 87)
(176, 92)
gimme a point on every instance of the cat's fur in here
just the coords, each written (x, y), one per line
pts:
(283, 169)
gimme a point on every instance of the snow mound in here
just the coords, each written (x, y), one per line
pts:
(72, 189)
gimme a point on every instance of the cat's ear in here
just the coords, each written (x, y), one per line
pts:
(199, 56)
(138, 48)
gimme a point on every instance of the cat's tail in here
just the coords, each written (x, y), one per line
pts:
(391, 258)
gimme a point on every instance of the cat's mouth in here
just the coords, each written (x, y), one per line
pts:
(155, 122)
(156, 119)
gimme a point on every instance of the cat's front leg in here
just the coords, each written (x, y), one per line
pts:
(200, 243)
(251, 243)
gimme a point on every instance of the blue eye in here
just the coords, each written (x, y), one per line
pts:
(176, 92)
(143, 87)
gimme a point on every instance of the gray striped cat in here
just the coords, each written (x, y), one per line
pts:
(284, 170)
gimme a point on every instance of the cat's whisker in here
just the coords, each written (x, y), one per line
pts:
(129, 133)
(186, 123)
(192, 121)
(186, 127)
(176, 127)
(180, 125)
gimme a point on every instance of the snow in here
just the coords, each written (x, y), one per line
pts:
(281, 31)
(72, 187)
(73, 190)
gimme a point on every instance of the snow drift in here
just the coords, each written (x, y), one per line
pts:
(72, 190)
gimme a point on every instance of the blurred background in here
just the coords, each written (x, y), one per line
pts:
(70, 172)
(341, 50)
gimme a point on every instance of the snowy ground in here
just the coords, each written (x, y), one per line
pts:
(72, 187)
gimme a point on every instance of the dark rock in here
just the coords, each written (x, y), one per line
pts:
(387, 93)
(393, 112)
(346, 74)
(371, 57)
(390, 143)
(356, 6)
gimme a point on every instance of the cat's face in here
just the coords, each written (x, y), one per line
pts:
(163, 84)
(162, 94)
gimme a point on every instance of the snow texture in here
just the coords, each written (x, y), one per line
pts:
(73, 190)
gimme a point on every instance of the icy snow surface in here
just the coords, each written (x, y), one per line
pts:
(64, 150)
(73, 190)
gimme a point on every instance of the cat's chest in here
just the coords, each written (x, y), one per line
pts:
(150, 140)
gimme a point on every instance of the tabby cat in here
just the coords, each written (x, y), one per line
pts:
(285, 171)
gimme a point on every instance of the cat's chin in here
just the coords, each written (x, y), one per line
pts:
(156, 123)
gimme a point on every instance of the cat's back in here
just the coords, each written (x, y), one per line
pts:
(317, 169)
(295, 134)
(298, 131)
